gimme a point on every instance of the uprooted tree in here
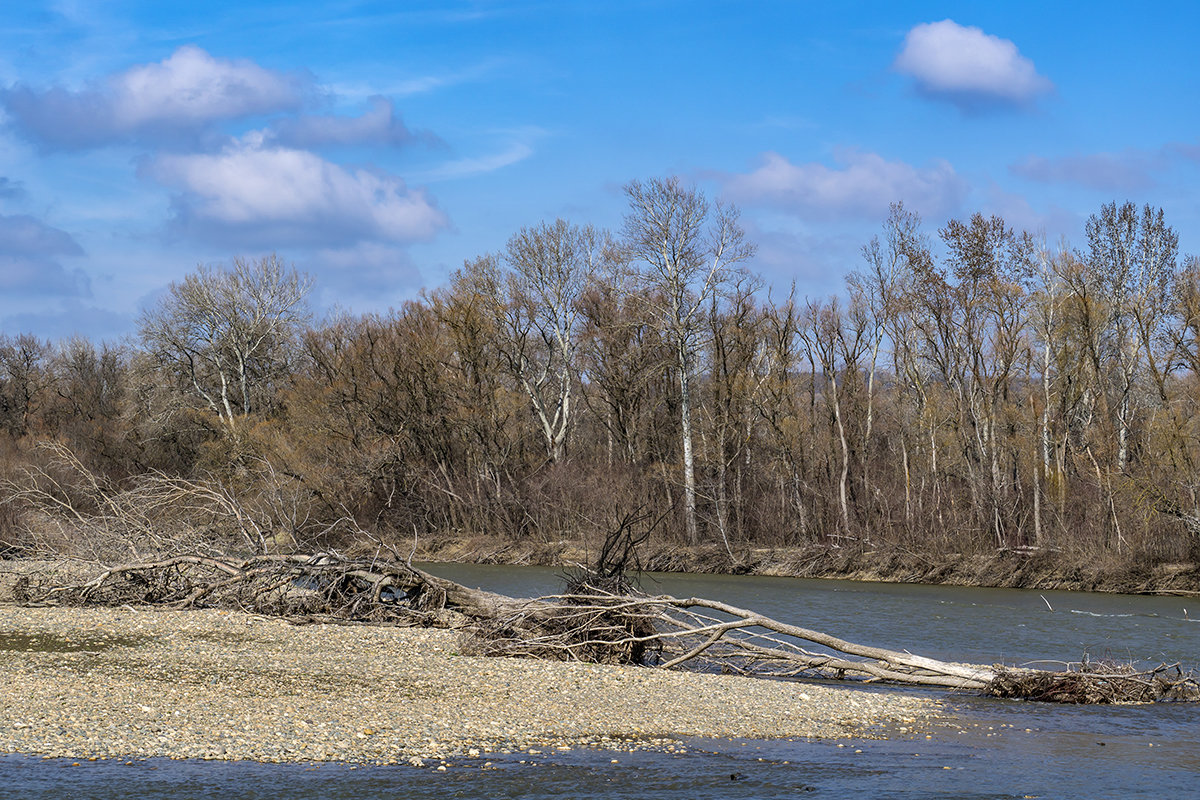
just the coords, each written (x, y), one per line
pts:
(601, 618)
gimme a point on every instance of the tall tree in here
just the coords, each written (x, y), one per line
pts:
(536, 287)
(1132, 260)
(24, 376)
(685, 250)
(228, 335)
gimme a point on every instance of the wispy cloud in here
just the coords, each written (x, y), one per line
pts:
(861, 185)
(477, 165)
(969, 68)
(517, 145)
(420, 84)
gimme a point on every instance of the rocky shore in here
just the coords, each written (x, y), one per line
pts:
(127, 683)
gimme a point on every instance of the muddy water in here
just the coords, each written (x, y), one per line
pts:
(990, 749)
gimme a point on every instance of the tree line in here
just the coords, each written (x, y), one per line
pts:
(972, 390)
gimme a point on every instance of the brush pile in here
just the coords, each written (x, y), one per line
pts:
(1098, 682)
(589, 624)
(600, 618)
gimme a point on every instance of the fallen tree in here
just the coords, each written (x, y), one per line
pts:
(588, 624)
(600, 618)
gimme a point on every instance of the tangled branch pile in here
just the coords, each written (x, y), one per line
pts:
(601, 618)
(663, 632)
(322, 587)
(71, 510)
(1098, 683)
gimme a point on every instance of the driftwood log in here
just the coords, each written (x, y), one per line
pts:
(588, 624)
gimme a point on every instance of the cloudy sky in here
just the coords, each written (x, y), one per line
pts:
(379, 145)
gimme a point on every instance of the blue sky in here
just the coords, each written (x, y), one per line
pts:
(379, 145)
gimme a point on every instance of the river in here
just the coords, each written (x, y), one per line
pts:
(989, 749)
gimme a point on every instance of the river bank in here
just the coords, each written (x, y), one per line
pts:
(1043, 570)
(138, 683)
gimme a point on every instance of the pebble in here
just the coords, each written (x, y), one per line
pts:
(223, 685)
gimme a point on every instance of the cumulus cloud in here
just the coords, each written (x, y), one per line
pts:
(183, 94)
(968, 67)
(1129, 171)
(257, 194)
(379, 125)
(29, 260)
(862, 185)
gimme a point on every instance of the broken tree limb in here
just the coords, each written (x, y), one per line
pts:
(739, 641)
(589, 624)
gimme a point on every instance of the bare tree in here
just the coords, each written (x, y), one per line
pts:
(24, 376)
(1132, 260)
(685, 250)
(620, 354)
(536, 287)
(228, 335)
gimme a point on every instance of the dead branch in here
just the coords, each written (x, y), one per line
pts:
(75, 513)
(190, 526)
(591, 625)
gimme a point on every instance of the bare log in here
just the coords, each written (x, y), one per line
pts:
(739, 641)
(588, 624)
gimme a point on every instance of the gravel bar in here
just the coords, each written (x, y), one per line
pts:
(143, 683)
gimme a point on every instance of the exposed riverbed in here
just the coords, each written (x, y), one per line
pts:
(220, 685)
(977, 748)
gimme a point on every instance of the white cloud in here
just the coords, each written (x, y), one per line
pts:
(863, 185)
(968, 67)
(183, 94)
(191, 85)
(279, 196)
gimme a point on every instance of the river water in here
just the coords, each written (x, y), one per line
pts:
(991, 748)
